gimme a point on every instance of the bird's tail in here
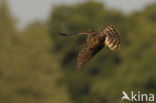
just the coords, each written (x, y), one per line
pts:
(112, 38)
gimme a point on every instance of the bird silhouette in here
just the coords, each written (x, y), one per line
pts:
(96, 40)
(125, 96)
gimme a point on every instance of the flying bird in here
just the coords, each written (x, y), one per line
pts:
(125, 96)
(95, 41)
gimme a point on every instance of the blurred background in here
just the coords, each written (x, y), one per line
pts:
(36, 65)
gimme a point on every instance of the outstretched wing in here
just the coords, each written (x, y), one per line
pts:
(65, 34)
(95, 42)
(80, 33)
(88, 51)
(112, 38)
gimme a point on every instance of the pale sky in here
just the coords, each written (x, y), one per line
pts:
(26, 11)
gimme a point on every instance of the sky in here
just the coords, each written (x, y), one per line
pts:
(26, 11)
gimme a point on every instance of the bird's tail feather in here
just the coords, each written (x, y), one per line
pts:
(112, 38)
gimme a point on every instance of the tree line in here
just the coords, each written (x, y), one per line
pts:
(36, 65)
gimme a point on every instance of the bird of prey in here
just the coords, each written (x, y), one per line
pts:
(96, 40)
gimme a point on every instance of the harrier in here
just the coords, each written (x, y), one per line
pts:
(96, 40)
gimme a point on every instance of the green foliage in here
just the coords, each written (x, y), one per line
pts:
(7, 26)
(36, 65)
(28, 71)
(89, 15)
(105, 77)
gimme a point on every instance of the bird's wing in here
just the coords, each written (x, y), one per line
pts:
(88, 32)
(72, 34)
(66, 34)
(112, 38)
(88, 51)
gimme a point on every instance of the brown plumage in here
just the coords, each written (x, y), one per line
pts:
(96, 40)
